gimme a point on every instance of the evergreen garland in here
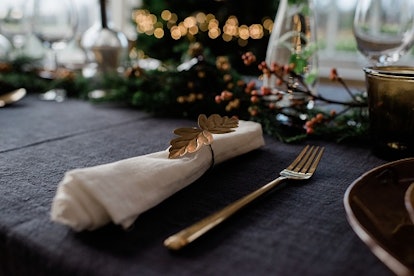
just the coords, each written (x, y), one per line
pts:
(210, 86)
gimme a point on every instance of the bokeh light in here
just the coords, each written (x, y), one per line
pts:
(149, 24)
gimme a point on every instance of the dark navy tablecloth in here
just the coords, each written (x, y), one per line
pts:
(300, 229)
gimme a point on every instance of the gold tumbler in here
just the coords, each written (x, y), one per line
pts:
(391, 110)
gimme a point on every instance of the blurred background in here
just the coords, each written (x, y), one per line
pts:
(154, 28)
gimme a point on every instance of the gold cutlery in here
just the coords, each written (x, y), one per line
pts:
(302, 168)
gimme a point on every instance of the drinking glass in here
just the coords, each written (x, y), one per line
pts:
(15, 23)
(54, 24)
(384, 29)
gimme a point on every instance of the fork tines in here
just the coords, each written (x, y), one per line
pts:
(307, 160)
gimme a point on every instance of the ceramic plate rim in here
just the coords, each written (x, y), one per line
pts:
(393, 263)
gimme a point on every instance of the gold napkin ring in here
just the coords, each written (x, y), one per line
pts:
(192, 139)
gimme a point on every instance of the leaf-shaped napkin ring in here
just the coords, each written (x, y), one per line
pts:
(192, 139)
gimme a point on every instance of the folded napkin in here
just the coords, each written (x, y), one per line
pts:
(89, 198)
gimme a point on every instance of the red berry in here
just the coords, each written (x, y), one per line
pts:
(217, 99)
(319, 117)
(254, 99)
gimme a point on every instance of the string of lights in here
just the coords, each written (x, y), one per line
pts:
(149, 24)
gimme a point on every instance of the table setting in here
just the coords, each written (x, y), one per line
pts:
(196, 168)
(298, 218)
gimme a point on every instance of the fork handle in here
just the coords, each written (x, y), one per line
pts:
(191, 233)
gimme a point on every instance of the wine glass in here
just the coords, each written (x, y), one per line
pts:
(15, 23)
(384, 29)
(54, 24)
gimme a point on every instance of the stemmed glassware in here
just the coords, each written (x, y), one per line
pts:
(54, 24)
(384, 29)
(15, 24)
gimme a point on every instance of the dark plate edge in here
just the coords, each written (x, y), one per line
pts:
(389, 260)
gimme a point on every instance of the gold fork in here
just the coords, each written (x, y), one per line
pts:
(301, 168)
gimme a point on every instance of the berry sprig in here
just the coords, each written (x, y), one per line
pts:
(265, 101)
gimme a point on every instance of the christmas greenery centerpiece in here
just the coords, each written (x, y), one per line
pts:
(211, 85)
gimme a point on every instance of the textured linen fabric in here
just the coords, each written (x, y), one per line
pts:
(88, 198)
(299, 229)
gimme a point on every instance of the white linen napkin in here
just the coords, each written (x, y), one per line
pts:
(89, 198)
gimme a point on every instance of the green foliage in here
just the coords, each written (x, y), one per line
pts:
(172, 93)
(350, 125)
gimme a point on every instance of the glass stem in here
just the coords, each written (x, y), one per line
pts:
(51, 63)
(104, 20)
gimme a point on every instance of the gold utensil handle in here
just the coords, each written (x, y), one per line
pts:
(191, 233)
